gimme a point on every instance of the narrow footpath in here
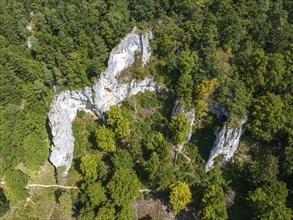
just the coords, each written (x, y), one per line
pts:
(46, 186)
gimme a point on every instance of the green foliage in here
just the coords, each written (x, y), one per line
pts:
(288, 163)
(105, 138)
(234, 97)
(88, 166)
(84, 134)
(87, 213)
(106, 212)
(184, 90)
(96, 193)
(268, 201)
(124, 187)
(245, 45)
(65, 204)
(180, 195)
(16, 182)
(214, 203)
(162, 148)
(4, 203)
(159, 168)
(168, 37)
(231, 28)
(93, 167)
(80, 114)
(143, 10)
(127, 213)
(268, 117)
(179, 127)
(265, 72)
(203, 92)
(263, 169)
(160, 174)
(35, 150)
(119, 124)
(122, 160)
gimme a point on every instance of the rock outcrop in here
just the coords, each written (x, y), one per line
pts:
(107, 91)
(226, 143)
(29, 27)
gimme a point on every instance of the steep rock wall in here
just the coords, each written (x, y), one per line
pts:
(227, 139)
(226, 143)
(99, 98)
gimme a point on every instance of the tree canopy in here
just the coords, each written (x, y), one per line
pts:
(179, 127)
(223, 60)
(105, 138)
(180, 195)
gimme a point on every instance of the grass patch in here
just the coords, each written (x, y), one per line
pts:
(84, 134)
(40, 201)
(43, 176)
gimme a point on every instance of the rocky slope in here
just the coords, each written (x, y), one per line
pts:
(99, 98)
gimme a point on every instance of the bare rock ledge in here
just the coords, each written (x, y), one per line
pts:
(105, 93)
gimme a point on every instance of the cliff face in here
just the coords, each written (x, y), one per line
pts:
(62, 112)
(99, 98)
(226, 143)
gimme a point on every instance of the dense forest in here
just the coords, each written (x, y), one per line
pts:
(236, 53)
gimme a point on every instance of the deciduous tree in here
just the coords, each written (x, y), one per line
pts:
(105, 138)
(118, 122)
(268, 117)
(180, 196)
(269, 202)
(214, 203)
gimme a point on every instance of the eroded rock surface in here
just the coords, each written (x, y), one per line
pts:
(99, 98)
(226, 143)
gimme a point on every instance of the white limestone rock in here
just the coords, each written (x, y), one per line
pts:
(226, 143)
(98, 99)
(29, 27)
(146, 49)
(29, 42)
(63, 111)
(107, 91)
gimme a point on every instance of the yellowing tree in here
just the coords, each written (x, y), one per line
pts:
(119, 124)
(180, 195)
(105, 138)
(88, 166)
(203, 92)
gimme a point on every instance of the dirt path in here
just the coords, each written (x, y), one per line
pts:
(179, 150)
(184, 155)
(46, 186)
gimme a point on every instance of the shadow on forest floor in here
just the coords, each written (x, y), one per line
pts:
(204, 137)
